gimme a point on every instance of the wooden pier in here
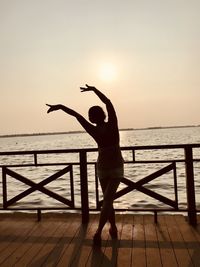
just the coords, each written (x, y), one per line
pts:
(62, 240)
(67, 239)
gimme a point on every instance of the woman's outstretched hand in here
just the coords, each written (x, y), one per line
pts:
(53, 107)
(87, 88)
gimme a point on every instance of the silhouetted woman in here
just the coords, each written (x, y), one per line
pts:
(110, 162)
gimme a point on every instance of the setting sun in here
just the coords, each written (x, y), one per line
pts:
(108, 72)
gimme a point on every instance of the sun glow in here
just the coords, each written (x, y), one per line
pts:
(108, 72)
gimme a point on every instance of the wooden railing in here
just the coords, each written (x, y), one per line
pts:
(83, 163)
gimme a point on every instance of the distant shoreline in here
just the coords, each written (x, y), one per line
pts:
(78, 132)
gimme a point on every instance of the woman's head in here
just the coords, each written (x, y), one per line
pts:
(96, 114)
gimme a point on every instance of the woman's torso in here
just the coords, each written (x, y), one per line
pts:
(108, 146)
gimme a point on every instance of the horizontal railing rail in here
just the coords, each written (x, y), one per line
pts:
(83, 162)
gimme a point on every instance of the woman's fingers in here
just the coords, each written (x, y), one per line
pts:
(50, 108)
(87, 88)
(90, 87)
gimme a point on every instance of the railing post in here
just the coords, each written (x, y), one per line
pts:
(35, 159)
(190, 187)
(4, 182)
(84, 187)
(133, 154)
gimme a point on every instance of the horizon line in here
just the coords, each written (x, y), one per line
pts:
(82, 131)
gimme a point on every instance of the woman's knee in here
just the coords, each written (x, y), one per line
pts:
(108, 202)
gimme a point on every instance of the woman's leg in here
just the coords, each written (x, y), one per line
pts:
(109, 188)
(104, 183)
(111, 218)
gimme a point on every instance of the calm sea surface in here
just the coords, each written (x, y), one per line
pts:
(162, 185)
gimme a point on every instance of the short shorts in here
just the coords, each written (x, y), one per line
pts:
(116, 173)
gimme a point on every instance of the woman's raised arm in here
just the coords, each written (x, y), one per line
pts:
(85, 124)
(63, 108)
(109, 106)
(103, 98)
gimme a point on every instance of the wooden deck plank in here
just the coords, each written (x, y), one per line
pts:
(15, 234)
(7, 229)
(42, 256)
(64, 241)
(97, 254)
(110, 256)
(180, 249)
(84, 244)
(125, 243)
(31, 256)
(168, 256)
(23, 247)
(138, 250)
(67, 243)
(190, 239)
(196, 231)
(57, 246)
(153, 257)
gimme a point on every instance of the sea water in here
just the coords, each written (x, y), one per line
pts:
(163, 185)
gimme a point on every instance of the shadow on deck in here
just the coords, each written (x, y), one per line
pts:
(62, 240)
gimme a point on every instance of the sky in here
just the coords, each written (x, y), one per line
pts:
(144, 55)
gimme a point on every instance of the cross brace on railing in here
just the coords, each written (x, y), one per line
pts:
(36, 186)
(139, 185)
